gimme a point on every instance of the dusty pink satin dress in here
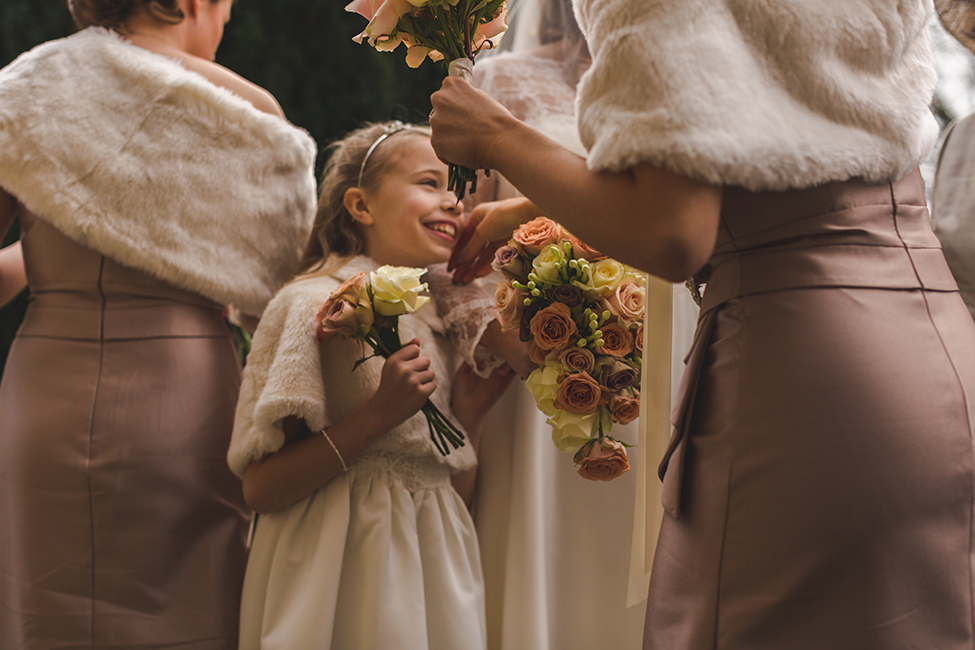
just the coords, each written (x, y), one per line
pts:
(122, 526)
(821, 482)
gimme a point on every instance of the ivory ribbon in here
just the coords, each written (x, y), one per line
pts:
(463, 68)
(654, 434)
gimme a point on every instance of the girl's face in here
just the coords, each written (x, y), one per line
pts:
(210, 20)
(411, 219)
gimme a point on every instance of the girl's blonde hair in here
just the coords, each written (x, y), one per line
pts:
(335, 233)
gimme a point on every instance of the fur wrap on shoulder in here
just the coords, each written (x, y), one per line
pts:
(130, 154)
(289, 373)
(763, 94)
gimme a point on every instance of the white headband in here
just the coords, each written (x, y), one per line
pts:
(393, 128)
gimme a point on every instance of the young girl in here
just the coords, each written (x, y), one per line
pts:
(363, 541)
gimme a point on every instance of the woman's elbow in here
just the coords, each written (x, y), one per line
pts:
(256, 495)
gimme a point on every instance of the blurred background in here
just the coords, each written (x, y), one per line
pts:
(302, 52)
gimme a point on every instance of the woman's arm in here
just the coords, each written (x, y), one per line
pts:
(12, 276)
(653, 219)
(471, 398)
(307, 462)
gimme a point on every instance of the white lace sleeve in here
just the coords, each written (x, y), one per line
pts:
(466, 311)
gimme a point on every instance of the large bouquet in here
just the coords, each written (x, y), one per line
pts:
(451, 30)
(582, 314)
(366, 308)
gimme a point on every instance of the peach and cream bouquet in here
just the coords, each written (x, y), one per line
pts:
(582, 315)
(366, 308)
(443, 30)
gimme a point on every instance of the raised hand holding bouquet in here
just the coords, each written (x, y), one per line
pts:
(444, 30)
(366, 308)
(582, 314)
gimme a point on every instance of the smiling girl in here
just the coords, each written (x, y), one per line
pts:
(363, 541)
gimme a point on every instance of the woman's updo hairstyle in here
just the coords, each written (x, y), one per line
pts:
(335, 232)
(111, 14)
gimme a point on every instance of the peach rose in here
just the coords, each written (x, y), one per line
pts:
(536, 235)
(627, 302)
(617, 341)
(578, 393)
(583, 251)
(578, 359)
(638, 339)
(624, 409)
(602, 459)
(553, 328)
(509, 302)
(347, 310)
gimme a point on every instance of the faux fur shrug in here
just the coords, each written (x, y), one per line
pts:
(765, 94)
(290, 373)
(130, 154)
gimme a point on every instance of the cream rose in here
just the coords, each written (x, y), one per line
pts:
(545, 263)
(542, 384)
(396, 290)
(604, 276)
(571, 430)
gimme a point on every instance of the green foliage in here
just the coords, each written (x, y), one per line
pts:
(300, 50)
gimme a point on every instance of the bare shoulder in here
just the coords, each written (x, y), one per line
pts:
(261, 99)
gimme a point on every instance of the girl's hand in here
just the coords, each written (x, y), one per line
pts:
(488, 228)
(406, 384)
(465, 122)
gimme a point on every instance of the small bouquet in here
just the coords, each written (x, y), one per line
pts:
(451, 30)
(582, 314)
(366, 308)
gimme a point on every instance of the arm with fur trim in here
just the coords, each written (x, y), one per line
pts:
(653, 219)
(13, 279)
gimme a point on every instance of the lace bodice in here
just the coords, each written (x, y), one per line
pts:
(466, 311)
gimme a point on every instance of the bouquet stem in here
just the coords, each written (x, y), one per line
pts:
(458, 177)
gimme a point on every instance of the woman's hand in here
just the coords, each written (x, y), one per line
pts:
(406, 384)
(465, 123)
(509, 346)
(488, 228)
(473, 396)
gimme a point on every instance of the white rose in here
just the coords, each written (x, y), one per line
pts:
(543, 384)
(544, 265)
(572, 430)
(396, 290)
(604, 276)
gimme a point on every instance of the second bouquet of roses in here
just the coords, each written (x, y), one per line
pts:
(366, 308)
(451, 30)
(582, 314)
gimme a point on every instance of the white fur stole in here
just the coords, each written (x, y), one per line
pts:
(289, 373)
(130, 154)
(764, 94)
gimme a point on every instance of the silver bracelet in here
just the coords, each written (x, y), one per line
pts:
(345, 468)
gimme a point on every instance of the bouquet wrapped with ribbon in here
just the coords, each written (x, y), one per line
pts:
(582, 314)
(366, 308)
(443, 30)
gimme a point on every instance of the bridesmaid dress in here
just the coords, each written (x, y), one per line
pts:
(122, 524)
